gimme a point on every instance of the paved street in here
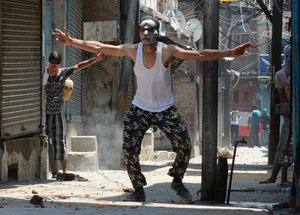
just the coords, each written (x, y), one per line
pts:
(105, 189)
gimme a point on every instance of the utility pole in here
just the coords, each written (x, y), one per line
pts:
(276, 65)
(210, 101)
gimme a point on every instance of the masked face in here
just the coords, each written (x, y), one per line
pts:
(53, 68)
(148, 32)
(148, 36)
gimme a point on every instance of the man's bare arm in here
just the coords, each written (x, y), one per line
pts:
(208, 54)
(94, 46)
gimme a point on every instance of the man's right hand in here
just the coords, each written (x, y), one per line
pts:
(240, 50)
(62, 36)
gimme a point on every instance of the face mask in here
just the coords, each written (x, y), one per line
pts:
(148, 36)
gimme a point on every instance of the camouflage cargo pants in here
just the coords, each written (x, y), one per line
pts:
(136, 123)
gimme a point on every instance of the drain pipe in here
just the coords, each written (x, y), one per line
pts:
(296, 78)
(295, 96)
(126, 65)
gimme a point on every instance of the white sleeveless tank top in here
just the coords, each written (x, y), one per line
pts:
(154, 89)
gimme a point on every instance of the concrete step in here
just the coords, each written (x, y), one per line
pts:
(83, 161)
(164, 155)
(83, 155)
(147, 147)
(84, 144)
(148, 152)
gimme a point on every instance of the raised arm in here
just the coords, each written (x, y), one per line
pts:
(208, 54)
(84, 64)
(94, 46)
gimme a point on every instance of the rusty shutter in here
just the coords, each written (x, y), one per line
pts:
(74, 56)
(20, 67)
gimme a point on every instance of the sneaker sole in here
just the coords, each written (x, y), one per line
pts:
(134, 200)
(184, 199)
(189, 200)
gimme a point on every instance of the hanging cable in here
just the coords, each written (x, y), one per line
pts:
(238, 79)
(242, 16)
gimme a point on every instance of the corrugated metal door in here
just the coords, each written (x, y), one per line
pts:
(20, 67)
(48, 29)
(74, 56)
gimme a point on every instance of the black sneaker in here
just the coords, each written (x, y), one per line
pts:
(181, 191)
(137, 196)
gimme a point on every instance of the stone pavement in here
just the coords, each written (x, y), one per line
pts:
(105, 189)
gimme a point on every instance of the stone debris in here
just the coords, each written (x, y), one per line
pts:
(37, 200)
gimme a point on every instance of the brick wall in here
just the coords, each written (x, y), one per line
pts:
(184, 95)
(185, 102)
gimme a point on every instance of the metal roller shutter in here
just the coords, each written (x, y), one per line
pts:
(20, 67)
(74, 56)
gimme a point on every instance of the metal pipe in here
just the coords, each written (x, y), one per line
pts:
(243, 141)
(296, 79)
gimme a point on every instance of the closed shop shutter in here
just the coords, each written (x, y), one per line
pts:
(20, 67)
(74, 56)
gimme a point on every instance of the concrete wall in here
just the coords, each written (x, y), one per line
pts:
(22, 160)
(99, 95)
(185, 98)
(104, 10)
(100, 84)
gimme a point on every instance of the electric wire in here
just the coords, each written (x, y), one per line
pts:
(242, 16)
(236, 83)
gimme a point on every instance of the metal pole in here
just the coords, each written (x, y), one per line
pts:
(231, 172)
(242, 141)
